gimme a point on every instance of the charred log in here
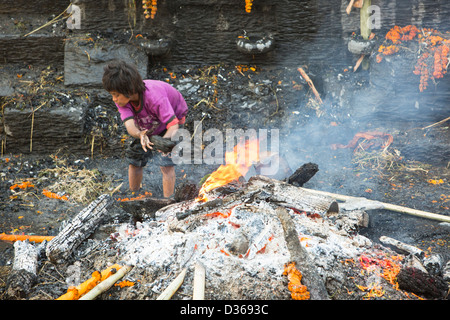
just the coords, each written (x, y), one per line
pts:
(143, 209)
(402, 248)
(300, 256)
(23, 275)
(162, 144)
(303, 174)
(421, 283)
(79, 229)
(200, 208)
(186, 191)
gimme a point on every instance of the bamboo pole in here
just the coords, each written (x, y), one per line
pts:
(364, 16)
(199, 282)
(74, 293)
(382, 205)
(106, 284)
(173, 286)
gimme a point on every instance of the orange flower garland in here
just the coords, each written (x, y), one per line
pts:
(298, 291)
(23, 185)
(53, 195)
(248, 6)
(139, 197)
(150, 7)
(433, 62)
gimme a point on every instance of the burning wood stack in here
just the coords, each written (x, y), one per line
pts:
(258, 239)
(246, 234)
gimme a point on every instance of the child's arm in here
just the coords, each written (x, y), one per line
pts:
(138, 134)
(171, 131)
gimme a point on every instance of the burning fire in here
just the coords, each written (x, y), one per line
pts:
(237, 164)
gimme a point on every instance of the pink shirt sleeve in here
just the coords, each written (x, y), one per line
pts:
(166, 114)
(125, 113)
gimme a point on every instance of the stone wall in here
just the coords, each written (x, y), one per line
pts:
(205, 31)
(197, 32)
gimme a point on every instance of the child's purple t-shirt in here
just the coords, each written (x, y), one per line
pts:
(161, 104)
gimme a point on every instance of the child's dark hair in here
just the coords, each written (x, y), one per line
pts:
(123, 78)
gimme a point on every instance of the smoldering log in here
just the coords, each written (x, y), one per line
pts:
(421, 283)
(186, 191)
(23, 275)
(80, 228)
(303, 262)
(200, 208)
(142, 209)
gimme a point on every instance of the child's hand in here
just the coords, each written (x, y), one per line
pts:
(145, 141)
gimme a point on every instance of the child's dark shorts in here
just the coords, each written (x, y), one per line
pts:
(137, 157)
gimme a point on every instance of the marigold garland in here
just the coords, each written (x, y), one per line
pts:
(298, 291)
(434, 60)
(150, 7)
(23, 185)
(248, 6)
(138, 197)
(53, 195)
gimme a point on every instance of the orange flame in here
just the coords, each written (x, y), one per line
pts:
(237, 164)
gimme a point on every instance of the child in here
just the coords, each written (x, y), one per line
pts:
(146, 107)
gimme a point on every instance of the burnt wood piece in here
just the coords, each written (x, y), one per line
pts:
(162, 144)
(186, 191)
(143, 209)
(203, 207)
(402, 248)
(300, 256)
(79, 229)
(421, 283)
(23, 275)
(303, 174)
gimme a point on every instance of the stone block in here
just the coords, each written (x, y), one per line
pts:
(84, 60)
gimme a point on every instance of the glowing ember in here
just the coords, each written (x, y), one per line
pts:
(237, 164)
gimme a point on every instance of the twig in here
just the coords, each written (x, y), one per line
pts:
(32, 123)
(311, 84)
(50, 22)
(436, 124)
(196, 127)
(358, 63)
(276, 99)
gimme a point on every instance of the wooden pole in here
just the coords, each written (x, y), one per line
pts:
(106, 284)
(373, 204)
(364, 16)
(74, 293)
(173, 286)
(199, 282)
